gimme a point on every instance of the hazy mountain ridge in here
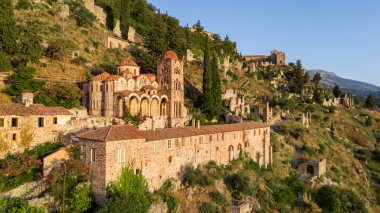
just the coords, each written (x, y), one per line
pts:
(330, 79)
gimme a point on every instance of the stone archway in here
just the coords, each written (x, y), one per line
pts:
(310, 170)
(133, 106)
(154, 108)
(144, 107)
(231, 155)
(119, 107)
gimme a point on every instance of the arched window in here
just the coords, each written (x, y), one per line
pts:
(231, 153)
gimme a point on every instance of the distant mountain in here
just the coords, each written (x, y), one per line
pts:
(330, 79)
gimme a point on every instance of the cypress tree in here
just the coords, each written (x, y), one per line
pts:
(207, 104)
(7, 27)
(216, 88)
(155, 41)
(125, 17)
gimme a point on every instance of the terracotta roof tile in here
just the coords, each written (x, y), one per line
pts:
(170, 55)
(113, 78)
(149, 87)
(128, 62)
(113, 133)
(117, 133)
(35, 109)
(101, 77)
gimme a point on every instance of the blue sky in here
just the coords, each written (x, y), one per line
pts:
(342, 36)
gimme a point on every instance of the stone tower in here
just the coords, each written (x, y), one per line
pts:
(278, 57)
(171, 82)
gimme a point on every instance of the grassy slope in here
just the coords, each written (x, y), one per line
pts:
(343, 167)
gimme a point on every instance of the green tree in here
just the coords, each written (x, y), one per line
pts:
(125, 14)
(318, 95)
(8, 32)
(23, 5)
(62, 94)
(216, 88)
(335, 199)
(5, 64)
(155, 41)
(175, 36)
(368, 121)
(23, 81)
(207, 97)
(81, 199)
(82, 16)
(336, 91)
(29, 46)
(317, 78)
(110, 19)
(59, 48)
(370, 102)
(129, 193)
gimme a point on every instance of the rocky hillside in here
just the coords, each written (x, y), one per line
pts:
(330, 79)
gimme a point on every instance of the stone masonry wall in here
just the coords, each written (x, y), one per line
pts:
(164, 159)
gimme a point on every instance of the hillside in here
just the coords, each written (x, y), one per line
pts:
(348, 138)
(330, 79)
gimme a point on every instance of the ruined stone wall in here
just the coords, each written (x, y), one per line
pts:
(163, 159)
(114, 43)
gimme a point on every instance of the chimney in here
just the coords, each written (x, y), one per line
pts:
(193, 123)
(26, 99)
(241, 120)
(198, 124)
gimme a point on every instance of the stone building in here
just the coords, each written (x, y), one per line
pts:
(113, 42)
(159, 99)
(25, 124)
(275, 58)
(162, 154)
(311, 170)
(236, 102)
(344, 100)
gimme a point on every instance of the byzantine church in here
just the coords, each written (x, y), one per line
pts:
(158, 99)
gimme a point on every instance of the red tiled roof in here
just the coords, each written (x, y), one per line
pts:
(127, 71)
(112, 133)
(117, 133)
(148, 87)
(113, 78)
(101, 77)
(128, 62)
(170, 55)
(34, 109)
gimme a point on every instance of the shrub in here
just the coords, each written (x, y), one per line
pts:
(82, 16)
(23, 5)
(59, 48)
(166, 194)
(335, 199)
(18, 169)
(81, 199)
(5, 63)
(17, 205)
(208, 208)
(44, 149)
(284, 129)
(62, 94)
(214, 170)
(79, 60)
(369, 121)
(239, 185)
(194, 176)
(129, 193)
(218, 197)
(23, 81)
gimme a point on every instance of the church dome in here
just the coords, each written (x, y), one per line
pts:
(128, 62)
(170, 55)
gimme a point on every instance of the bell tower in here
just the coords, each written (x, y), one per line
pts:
(171, 82)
